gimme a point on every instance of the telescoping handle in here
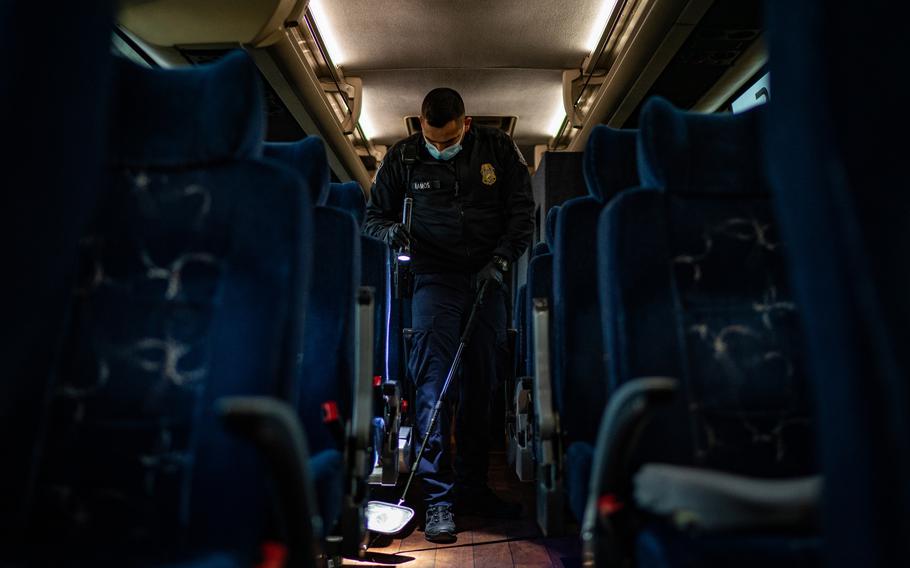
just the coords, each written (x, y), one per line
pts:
(404, 254)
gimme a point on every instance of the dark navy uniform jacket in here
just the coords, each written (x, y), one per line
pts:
(467, 209)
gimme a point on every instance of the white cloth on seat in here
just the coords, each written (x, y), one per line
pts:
(716, 501)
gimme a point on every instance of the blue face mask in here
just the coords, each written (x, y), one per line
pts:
(446, 154)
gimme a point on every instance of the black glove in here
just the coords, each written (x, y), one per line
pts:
(398, 237)
(492, 271)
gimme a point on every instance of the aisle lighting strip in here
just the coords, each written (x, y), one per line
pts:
(600, 24)
(327, 31)
(332, 46)
(556, 123)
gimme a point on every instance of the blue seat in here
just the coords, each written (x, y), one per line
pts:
(839, 182)
(327, 373)
(329, 337)
(307, 157)
(550, 228)
(539, 283)
(348, 197)
(376, 273)
(579, 367)
(694, 287)
(522, 306)
(192, 288)
(375, 270)
(53, 174)
(543, 434)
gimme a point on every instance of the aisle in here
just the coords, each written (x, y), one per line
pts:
(482, 542)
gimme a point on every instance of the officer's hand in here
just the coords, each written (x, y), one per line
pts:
(489, 272)
(398, 236)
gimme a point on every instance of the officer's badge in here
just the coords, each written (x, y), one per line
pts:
(488, 173)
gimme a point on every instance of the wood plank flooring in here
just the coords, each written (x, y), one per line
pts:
(482, 542)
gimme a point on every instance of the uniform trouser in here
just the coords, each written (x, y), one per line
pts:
(440, 308)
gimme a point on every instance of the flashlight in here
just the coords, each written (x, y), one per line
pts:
(404, 254)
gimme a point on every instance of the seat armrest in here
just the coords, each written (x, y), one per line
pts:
(543, 386)
(628, 411)
(547, 449)
(272, 426)
(362, 415)
(358, 455)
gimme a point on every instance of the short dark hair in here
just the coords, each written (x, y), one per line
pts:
(441, 106)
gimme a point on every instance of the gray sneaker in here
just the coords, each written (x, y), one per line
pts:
(440, 525)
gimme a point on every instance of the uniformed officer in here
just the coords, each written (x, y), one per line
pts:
(472, 218)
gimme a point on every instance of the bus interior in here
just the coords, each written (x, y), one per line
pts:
(206, 361)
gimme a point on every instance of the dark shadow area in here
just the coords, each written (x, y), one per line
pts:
(383, 559)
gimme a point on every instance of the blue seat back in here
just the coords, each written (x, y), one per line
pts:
(376, 273)
(375, 270)
(694, 287)
(306, 156)
(539, 282)
(327, 369)
(839, 183)
(579, 367)
(550, 227)
(524, 302)
(192, 287)
(53, 174)
(349, 197)
(541, 248)
(328, 356)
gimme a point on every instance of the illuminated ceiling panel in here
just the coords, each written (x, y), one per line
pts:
(503, 63)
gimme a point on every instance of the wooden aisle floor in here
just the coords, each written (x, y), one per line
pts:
(482, 542)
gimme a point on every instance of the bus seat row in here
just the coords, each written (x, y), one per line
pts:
(705, 299)
(327, 355)
(579, 381)
(349, 260)
(538, 280)
(218, 333)
(668, 356)
(181, 266)
(376, 271)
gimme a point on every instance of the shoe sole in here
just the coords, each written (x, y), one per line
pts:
(441, 538)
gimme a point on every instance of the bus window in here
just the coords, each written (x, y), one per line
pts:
(757, 94)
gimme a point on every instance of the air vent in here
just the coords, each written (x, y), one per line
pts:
(716, 47)
(505, 123)
(281, 124)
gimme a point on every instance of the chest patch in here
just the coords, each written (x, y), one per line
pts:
(488, 174)
(425, 185)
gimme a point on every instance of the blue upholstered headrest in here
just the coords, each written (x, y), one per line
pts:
(539, 249)
(349, 197)
(307, 157)
(686, 152)
(182, 117)
(609, 162)
(550, 229)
